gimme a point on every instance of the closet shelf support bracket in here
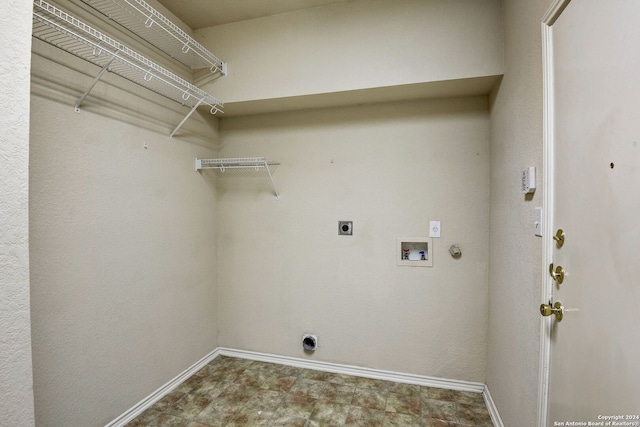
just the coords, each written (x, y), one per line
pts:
(186, 117)
(104, 69)
(273, 184)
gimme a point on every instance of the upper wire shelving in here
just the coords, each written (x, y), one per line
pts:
(68, 33)
(142, 19)
(241, 166)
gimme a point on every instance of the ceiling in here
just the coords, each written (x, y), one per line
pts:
(208, 13)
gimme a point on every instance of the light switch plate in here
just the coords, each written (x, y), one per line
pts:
(434, 228)
(538, 222)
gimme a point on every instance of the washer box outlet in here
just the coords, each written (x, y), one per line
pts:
(414, 252)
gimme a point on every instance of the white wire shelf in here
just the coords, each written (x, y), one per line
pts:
(142, 19)
(241, 166)
(66, 32)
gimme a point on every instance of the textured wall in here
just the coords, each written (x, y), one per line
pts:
(390, 168)
(514, 291)
(357, 45)
(16, 393)
(123, 263)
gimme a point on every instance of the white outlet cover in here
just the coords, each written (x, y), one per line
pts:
(434, 228)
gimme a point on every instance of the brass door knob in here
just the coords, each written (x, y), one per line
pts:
(557, 309)
(557, 274)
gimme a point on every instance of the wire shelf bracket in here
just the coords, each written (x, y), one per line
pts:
(66, 32)
(186, 118)
(241, 165)
(93, 83)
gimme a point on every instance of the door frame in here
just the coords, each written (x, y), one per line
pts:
(549, 18)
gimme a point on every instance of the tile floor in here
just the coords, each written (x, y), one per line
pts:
(237, 392)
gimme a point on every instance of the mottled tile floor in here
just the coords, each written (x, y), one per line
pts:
(237, 392)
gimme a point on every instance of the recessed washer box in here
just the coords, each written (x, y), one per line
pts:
(414, 252)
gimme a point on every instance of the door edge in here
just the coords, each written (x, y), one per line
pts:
(550, 17)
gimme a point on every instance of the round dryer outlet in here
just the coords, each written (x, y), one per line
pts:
(309, 342)
(345, 228)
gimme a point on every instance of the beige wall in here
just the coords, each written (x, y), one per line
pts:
(123, 262)
(16, 392)
(515, 277)
(390, 168)
(134, 254)
(356, 45)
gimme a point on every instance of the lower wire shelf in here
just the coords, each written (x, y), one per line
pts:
(259, 166)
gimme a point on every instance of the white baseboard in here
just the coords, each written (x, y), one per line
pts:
(491, 407)
(356, 371)
(337, 368)
(145, 403)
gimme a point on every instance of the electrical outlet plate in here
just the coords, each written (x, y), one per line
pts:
(434, 228)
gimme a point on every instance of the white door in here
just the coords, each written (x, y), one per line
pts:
(593, 157)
